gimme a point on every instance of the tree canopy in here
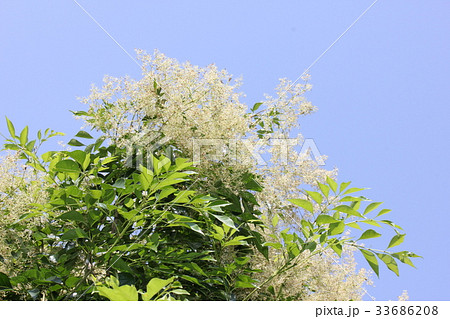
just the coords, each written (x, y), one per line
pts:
(171, 200)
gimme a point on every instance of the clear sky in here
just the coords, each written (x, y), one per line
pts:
(382, 90)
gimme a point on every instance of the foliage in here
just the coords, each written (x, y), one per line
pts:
(136, 219)
(106, 218)
(332, 211)
(157, 290)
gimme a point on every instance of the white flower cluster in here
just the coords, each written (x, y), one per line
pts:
(319, 278)
(179, 101)
(182, 104)
(20, 186)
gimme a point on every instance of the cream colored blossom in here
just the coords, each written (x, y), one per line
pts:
(404, 296)
(20, 186)
(199, 112)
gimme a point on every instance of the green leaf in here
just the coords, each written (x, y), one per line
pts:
(237, 241)
(275, 220)
(30, 145)
(371, 259)
(194, 227)
(244, 281)
(351, 199)
(79, 156)
(370, 222)
(389, 262)
(252, 184)
(332, 184)
(5, 283)
(325, 189)
(73, 215)
(318, 198)
(226, 220)
(74, 142)
(179, 292)
(84, 134)
(353, 190)
(72, 281)
(396, 240)
(67, 166)
(370, 233)
(325, 219)
(347, 210)
(80, 113)
(155, 286)
(120, 183)
(119, 264)
(303, 204)
(343, 186)
(116, 293)
(371, 207)
(146, 177)
(390, 223)
(74, 234)
(24, 136)
(11, 128)
(12, 147)
(337, 249)
(383, 211)
(256, 106)
(96, 194)
(354, 225)
(404, 258)
(336, 228)
(165, 192)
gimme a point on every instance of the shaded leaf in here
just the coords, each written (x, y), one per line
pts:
(389, 262)
(336, 228)
(74, 234)
(74, 142)
(371, 259)
(5, 283)
(73, 215)
(84, 134)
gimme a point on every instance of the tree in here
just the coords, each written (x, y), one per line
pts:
(131, 217)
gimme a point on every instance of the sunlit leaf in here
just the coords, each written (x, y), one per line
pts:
(303, 204)
(396, 240)
(370, 233)
(371, 207)
(332, 183)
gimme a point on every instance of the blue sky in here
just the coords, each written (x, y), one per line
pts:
(382, 90)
